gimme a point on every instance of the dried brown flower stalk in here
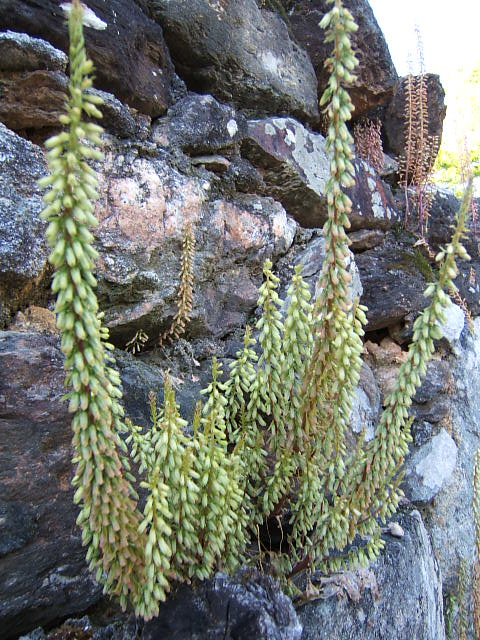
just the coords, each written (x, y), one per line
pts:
(368, 143)
(185, 291)
(421, 148)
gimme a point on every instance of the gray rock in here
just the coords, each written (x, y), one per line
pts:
(311, 258)
(76, 628)
(43, 574)
(239, 54)
(23, 249)
(200, 124)
(430, 468)
(244, 607)
(403, 599)
(450, 518)
(366, 404)
(295, 168)
(394, 276)
(20, 52)
(120, 120)
(454, 323)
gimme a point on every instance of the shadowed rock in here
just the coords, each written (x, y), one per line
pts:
(240, 54)
(375, 75)
(130, 56)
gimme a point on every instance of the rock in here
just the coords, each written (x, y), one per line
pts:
(454, 323)
(42, 567)
(385, 359)
(120, 120)
(404, 598)
(442, 216)
(23, 250)
(20, 52)
(240, 54)
(366, 404)
(224, 608)
(364, 239)
(32, 82)
(33, 99)
(375, 75)
(84, 628)
(33, 86)
(394, 120)
(130, 56)
(199, 125)
(43, 575)
(430, 468)
(295, 168)
(450, 519)
(394, 276)
(143, 206)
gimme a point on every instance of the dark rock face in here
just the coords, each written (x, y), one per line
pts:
(412, 610)
(376, 73)
(130, 55)
(32, 82)
(43, 575)
(394, 276)
(23, 248)
(394, 120)
(240, 54)
(442, 216)
(225, 608)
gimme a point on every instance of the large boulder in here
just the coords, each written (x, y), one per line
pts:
(143, 207)
(295, 167)
(399, 597)
(240, 54)
(129, 52)
(375, 75)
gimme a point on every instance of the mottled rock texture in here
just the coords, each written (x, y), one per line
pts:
(130, 55)
(240, 54)
(143, 207)
(413, 610)
(23, 248)
(295, 166)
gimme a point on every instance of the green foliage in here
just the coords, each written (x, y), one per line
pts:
(108, 515)
(270, 442)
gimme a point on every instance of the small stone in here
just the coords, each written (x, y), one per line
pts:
(454, 323)
(395, 530)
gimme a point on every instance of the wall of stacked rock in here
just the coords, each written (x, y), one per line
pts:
(211, 118)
